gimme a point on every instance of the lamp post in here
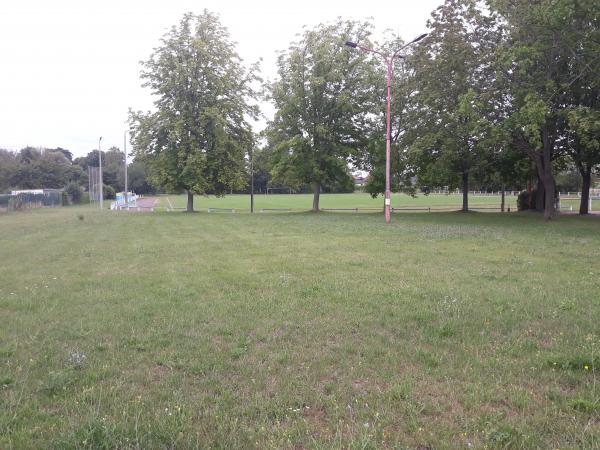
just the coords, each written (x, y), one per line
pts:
(252, 180)
(125, 152)
(100, 168)
(389, 60)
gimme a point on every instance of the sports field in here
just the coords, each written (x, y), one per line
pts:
(300, 330)
(364, 202)
(303, 202)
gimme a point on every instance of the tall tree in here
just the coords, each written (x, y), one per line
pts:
(197, 137)
(449, 120)
(8, 168)
(583, 93)
(113, 168)
(138, 178)
(584, 147)
(323, 98)
(547, 53)
(41, 168)
(68, 154)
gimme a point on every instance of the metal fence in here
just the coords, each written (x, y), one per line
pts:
(26, 200)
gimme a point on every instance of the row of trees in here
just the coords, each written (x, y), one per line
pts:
(499, 93)
(55, 168)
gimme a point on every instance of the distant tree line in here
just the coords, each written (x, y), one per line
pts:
(55, 168)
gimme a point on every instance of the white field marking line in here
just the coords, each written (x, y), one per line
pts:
(170, 204)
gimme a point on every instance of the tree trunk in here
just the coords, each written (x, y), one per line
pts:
(547, 176)
(540, 193)
(550, 187)
(543, 166)
(316, 193)
(586, 173)
(190, 202)
(465, 189)
(503, 201)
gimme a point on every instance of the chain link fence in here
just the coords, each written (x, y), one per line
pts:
(28, 200)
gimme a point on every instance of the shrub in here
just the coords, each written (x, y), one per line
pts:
(109, 192)
(523, 200)
(74, 191)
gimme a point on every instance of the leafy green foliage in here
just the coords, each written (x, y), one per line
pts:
(403, 87)
(74, 191)
(547, 61)
(41, 169)
(323, 98)
(8, 168)
(138, 178)
(113, 167)
(585, 125)
(197, 137)
(37, 168)
(526, 200)
(451, 115)
(109, 192)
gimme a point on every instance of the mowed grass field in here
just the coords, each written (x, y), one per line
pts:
(335, 201)
(300, 330)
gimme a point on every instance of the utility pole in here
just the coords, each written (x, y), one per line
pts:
(252, 181)
(101, 182)
(125, 151)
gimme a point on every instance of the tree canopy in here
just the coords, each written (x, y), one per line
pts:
(198, 135)
(323, 98)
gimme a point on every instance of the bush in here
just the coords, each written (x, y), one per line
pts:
(523, 200)
(74, 191)
(109, 192)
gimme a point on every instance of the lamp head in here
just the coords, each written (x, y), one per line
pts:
(420, 37)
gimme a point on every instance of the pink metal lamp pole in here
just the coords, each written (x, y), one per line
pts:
(389, 60)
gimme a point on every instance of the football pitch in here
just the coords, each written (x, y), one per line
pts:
(298, 330)
(364, 202)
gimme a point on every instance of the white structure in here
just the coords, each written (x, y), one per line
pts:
(121, 203)
(35, 191)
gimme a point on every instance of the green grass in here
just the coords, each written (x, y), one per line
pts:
(574, 203)
(301, 330)
(356, 200)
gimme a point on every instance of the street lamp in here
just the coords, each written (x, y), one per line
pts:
(100, 168)
(252, 180)
(125, 152)
(389, 60)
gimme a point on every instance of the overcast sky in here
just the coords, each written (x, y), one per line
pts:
(69, 70)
